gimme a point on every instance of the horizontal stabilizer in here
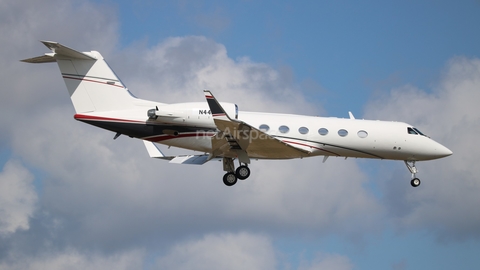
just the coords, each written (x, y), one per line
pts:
(47, 58)
(63, 50)
(154, 152)
(59, 51)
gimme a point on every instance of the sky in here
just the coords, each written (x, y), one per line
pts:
(72, 197)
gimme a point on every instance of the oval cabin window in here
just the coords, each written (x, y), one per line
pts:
(303, 130)
(342, 132)
(283, 129)
(264, 128)
(323, 131)
(362, 134)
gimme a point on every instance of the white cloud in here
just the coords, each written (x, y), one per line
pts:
(17, 198)
(73, 259)
(178, 69)
(448, 197)
(221, 251)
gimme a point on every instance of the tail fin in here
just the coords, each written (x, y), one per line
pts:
(92, 84)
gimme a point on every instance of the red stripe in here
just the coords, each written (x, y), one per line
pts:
(88, 80)
(99, 118)
(165, 137)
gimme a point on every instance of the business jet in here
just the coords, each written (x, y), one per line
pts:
(219, 130)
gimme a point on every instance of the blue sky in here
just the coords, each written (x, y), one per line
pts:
(71, 196)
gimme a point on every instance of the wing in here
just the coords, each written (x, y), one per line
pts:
(241, 140)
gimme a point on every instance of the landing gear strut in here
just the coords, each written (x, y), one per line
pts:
(411, 167)
(230, 178)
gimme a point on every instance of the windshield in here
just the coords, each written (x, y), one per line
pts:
(419, 132)
(415, 131)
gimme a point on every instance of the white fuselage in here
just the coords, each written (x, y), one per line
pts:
(324, 136)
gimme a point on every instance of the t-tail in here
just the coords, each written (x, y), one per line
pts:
(92, 84)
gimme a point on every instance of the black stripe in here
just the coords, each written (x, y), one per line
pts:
(93, 77)
(142, 130)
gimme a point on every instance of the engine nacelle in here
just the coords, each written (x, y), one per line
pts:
(180, 112)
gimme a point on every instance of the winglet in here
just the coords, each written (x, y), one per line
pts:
(351, 115)
(215, 108)
(153, 150)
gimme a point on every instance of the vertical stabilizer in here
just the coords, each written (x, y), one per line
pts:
(91, 83)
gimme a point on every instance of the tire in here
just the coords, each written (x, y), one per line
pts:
(242, 172)
(415, 182)
(229, 179)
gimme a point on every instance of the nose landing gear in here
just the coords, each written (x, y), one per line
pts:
(415, 182)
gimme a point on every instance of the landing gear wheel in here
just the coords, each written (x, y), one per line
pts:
(229, 179)
(242, 172)
(415, 182)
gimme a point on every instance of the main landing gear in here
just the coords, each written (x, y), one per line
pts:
(230, 178)
(415, 182)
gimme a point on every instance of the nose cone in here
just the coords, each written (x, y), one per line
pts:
(424, 148)
(444, 151)
(441, 151)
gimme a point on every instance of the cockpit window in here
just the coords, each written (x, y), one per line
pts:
(415, 131)
(419, 132)
(411, 131)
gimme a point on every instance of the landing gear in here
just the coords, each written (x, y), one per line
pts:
(242, 172)
(230, 178)
(415, 182)
(411, 167)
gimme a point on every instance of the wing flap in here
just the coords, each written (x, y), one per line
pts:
(190, 159)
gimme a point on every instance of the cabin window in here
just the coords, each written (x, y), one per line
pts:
(323, 131)
(303, 130)
(362, 134)
(411, 131)
(342, 132)
(283, 129)
(264, 128)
